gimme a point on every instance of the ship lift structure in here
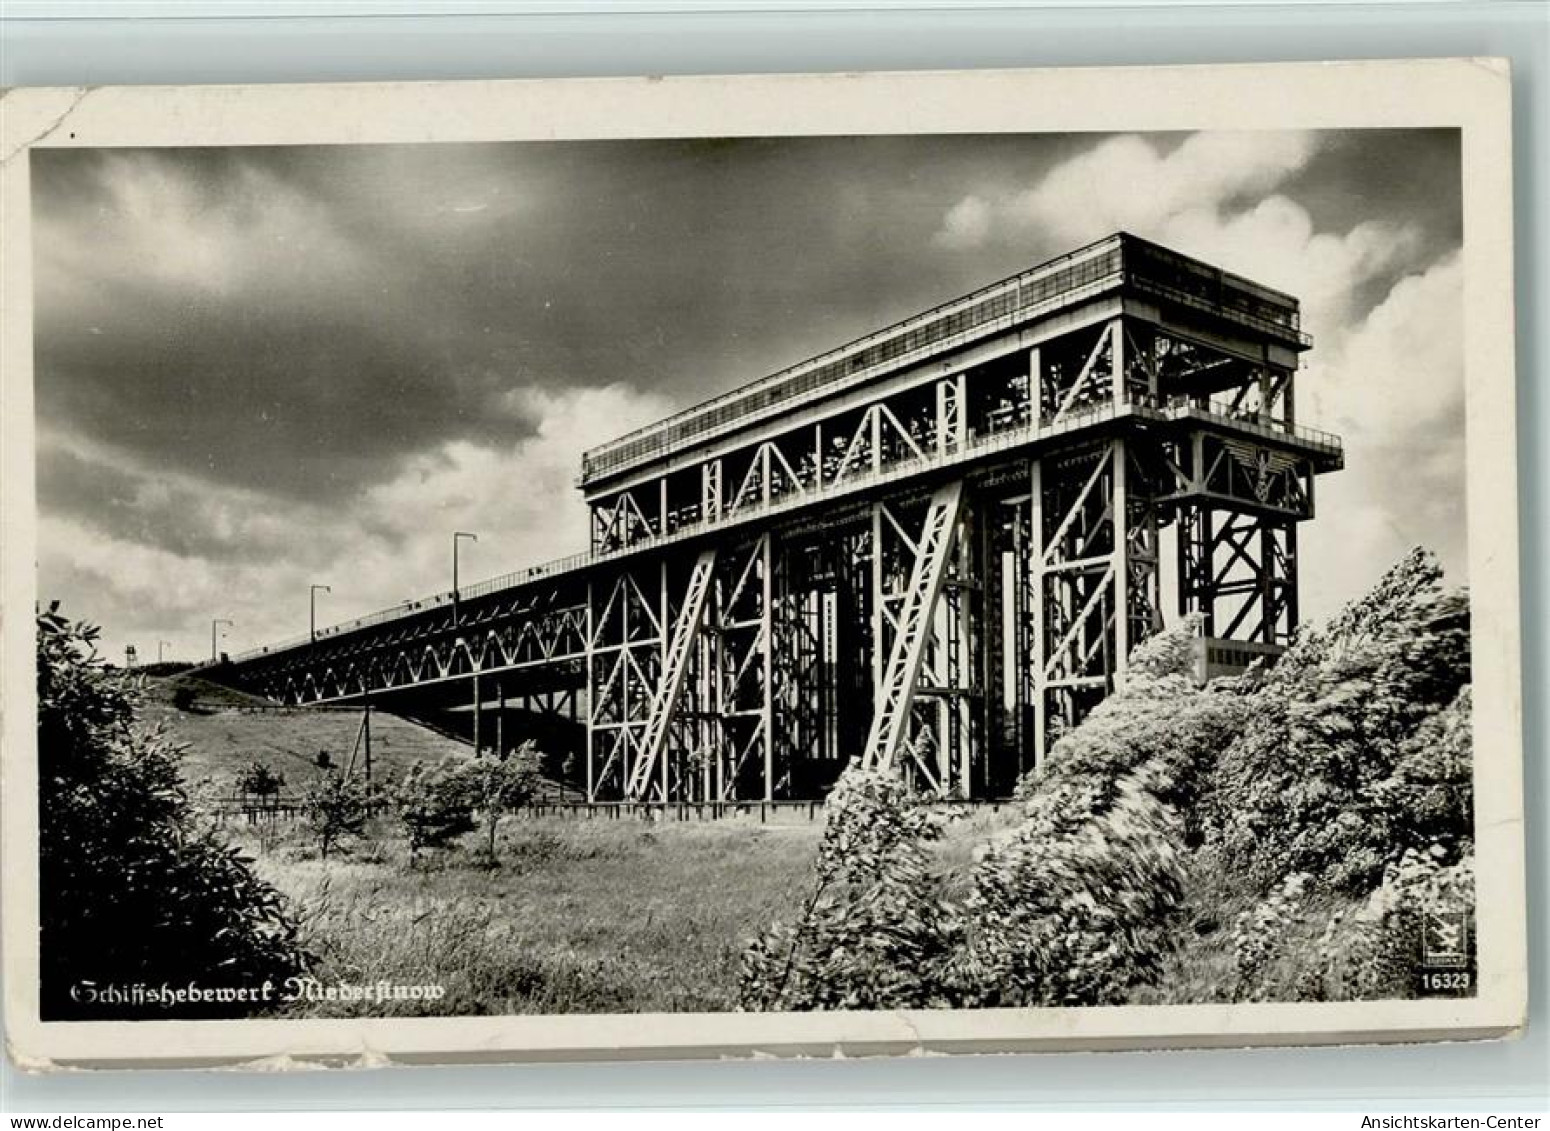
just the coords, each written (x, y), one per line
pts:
(933, 548)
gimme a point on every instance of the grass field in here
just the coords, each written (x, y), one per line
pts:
(580, 916)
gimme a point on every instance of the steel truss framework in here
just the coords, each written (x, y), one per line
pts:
(939, 576)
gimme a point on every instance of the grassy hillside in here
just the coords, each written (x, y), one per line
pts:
(225, 730)
(191, 693)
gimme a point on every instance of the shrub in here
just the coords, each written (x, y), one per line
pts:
(874, 932)
(1075, 905)
(258, 780)
(1258, 934)
(1337, 779)
(496, 785)
(1336, 751)
(433, 804)
(1072, 907)
(1352, 778)
(133, 891)
(336, 807)
(1424, 903)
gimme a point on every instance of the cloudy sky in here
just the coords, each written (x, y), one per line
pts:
(262, 368)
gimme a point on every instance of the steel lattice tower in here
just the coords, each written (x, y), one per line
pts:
(935, 547)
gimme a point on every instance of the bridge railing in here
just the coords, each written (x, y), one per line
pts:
(523, 576)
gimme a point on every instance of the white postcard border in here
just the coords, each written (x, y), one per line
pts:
(1472, 95)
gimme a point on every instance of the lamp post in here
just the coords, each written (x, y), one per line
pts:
(457, 538)
(312, 601)
(214, 630)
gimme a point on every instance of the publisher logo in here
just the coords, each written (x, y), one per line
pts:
(1444, 969)
(1445, 939)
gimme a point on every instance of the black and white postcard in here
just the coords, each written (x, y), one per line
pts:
(795, 565)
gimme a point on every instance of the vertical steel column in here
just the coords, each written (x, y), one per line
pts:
(1035, 384)
(1120, 565)
(878, 597)
(664, 695)
(621, 737)
(1292, 611)
(951, 414)
(965, 736)
(710, 490)
(767, 634)
(1038, 641)
(1116, 332)
(500, 718)
(477, 748)
(590, 664)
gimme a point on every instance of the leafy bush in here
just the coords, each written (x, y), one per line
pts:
(1075, 906)
(1337, 779)
(1339, 747)
(1381, 948)
(496, 785)
(1258, 934)
(874, 932)
(1376, 947)
(258, 780)
(1072, 907)
(133, 891)
(1346, 804)
(336, 807)
(434, 805)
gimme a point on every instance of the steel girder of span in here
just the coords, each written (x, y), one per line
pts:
(952, 630)
(939, 573)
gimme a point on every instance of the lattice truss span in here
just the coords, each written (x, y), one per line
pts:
(933, 549)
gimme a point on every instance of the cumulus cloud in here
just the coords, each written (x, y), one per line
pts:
(1274, 242)
(1130, 183)
(259, 369)
(522, 501)
(1212, 196)
(186, 552)
(1387, 368)
(1395, 392)
(251, 231)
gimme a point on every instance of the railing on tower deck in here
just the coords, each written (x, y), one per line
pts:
(1089, 269)
(986, 443)
(1076, 276)
(1222, 412)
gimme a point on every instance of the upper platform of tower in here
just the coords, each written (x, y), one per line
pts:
(1187, 292)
